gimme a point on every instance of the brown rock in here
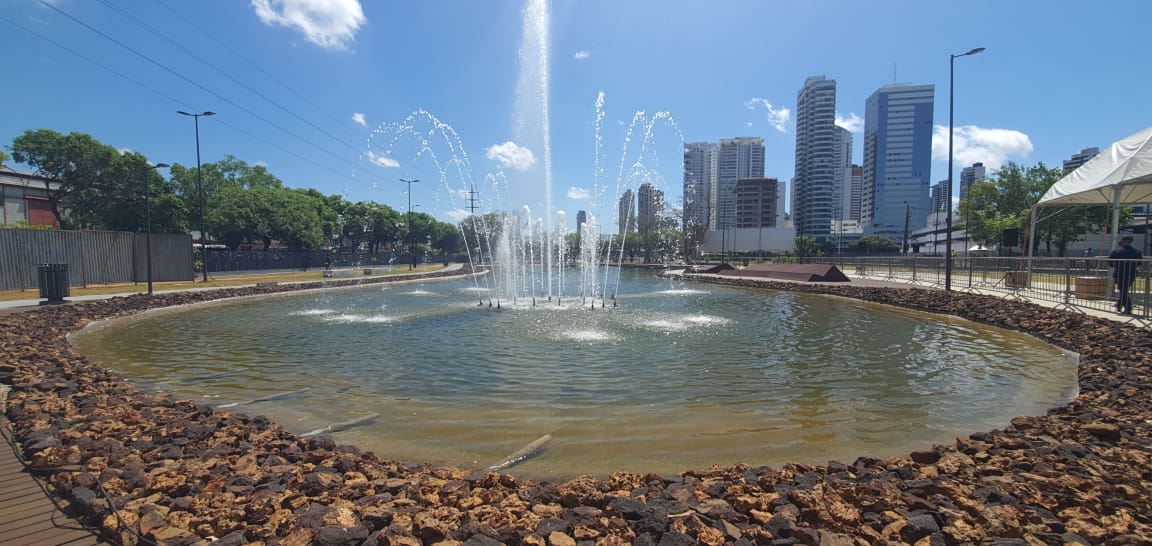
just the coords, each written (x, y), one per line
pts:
(556, 538)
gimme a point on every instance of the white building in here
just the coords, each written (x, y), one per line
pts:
(700, 172)
(818, 160)
(741, 157)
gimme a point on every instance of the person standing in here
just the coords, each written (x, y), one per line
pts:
(1124, 261)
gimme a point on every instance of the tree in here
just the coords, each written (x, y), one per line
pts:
(875, 244)
(805, 245)
(4, 157)
(1005, 202)
(76, 166)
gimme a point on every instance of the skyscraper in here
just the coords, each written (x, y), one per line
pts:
(756, 202)
(818, 161)
(969, 177)
(741, 157)
(897, 158)
(1079, 159)
(857, 174)
(699, 178)
(938, 197)
(842, 190)
(627, 212)
(581, 219)
(650, 206)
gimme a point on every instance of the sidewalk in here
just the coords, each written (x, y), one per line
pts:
(25, 304)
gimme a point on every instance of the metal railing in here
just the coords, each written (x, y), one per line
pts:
(1074, 283)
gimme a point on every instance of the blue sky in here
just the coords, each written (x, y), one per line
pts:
(319, 90)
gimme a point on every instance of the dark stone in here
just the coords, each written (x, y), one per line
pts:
(482, 540)
(235, 538)
(549, 525)
(338, 535)
(644, 540)
(919, 526)
(676, 539)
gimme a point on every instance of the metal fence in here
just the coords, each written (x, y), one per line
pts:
(92, 257)
(1084, 283)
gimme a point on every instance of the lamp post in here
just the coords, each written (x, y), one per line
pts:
(951, 103)
(148, 218)
(411, 244)
(200, 190)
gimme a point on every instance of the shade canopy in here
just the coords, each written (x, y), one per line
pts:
(1120, 174)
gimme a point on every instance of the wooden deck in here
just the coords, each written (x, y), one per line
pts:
(27, 515)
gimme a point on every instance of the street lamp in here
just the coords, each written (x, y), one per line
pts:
(148, 218)
(411, 243)
(200, 190)
(951, 103)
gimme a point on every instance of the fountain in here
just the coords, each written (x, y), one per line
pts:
(671, 377)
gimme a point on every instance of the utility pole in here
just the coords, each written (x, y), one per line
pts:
(411, 243)
(907, 217)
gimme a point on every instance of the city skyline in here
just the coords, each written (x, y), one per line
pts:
(307, 88)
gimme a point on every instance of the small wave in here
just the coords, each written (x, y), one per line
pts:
(476, 289)
(420, 293)
(313, 312)
(667, 325)
(679, 292)
(350, 318)
(590, 335)
(707, 320)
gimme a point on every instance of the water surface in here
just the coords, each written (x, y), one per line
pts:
(676, 376)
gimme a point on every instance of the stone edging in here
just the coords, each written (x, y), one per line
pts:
(185, 473)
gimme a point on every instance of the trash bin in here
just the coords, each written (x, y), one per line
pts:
(53, 280)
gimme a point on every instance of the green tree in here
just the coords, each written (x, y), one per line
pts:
(4, 157)
(805, 245)
(875, 244)
(77, 167)
(1005, 202)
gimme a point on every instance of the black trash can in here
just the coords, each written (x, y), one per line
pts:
(53, 280)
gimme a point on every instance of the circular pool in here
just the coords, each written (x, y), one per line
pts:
(675, 376)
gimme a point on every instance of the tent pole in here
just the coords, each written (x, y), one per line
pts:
(1030, 236)
(1115, 215)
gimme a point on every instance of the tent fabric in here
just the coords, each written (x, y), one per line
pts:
(1125, 166)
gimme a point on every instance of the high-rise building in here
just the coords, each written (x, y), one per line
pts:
(756, 202)
(939, 190)
(842, 190)
(581, 219)
(857, 192)
(700, 171)
(818, 159)
(969, 177)
(897, 158)
(627, 212)
(738, 158)
(649, 207)
(1079, 159)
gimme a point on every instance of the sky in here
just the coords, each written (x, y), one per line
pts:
(349, 97)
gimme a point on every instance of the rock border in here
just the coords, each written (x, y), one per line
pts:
(183, 473)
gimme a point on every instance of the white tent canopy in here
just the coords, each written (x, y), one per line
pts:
(1120, 174)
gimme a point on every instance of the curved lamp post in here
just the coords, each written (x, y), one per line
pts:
(951, 102)
(200, 190)
(148, 218)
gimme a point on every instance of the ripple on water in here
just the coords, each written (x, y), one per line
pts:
(312, 312)
(679, 292)
(347, 318)
(590, 336)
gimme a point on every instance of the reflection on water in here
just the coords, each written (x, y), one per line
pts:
(674, 377)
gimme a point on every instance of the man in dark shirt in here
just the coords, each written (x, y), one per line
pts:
(1124, 264)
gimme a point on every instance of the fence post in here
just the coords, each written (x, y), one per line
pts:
(1067, 282)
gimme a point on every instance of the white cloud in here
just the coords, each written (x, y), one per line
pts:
(578, 193)
(970, 144)
(125, 150)
(458, 214)
(331, 24)
(383, 161)
(359, 118)
(853, 122)
(582, 54)
(260, 164)
(777, 117)
(512, 155)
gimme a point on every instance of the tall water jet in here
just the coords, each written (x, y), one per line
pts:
(532, 95)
